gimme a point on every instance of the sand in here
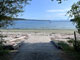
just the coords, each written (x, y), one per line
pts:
(61, 35)
(38, 46)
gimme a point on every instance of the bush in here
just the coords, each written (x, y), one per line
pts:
(3, 51)
(70, 41)
(70, 51)
(65, 46)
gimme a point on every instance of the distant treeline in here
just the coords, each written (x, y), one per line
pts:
(19, 19)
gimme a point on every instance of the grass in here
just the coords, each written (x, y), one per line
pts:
(72, 42)
(65, 46)
(4, 54)
(5, 57)
(3, 51)
(70, 51)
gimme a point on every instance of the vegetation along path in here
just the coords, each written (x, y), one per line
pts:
(38, 48)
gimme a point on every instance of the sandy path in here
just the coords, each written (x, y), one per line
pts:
(38, 48)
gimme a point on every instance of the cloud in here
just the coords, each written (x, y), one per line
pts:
(56, 16)
(57, 13)
(61, 14)
(57, 10)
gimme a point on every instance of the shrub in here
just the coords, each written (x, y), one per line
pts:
(65, 46)
(70, 41)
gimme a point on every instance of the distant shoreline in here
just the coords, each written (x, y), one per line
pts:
(37, 29)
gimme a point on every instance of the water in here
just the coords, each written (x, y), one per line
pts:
(42, 24)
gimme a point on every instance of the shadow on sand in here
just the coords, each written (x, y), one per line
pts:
(38, 51)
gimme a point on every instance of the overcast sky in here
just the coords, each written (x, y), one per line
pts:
(47, 10)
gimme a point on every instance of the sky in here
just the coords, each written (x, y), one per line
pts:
(47, 10)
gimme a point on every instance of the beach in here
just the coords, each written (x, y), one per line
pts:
(60, 35)
(44, 30)
(36, 44)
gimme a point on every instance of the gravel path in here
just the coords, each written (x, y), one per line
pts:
(38, 48)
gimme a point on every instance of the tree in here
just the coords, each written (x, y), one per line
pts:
(59, 1)
(74, 12)
(10, 9)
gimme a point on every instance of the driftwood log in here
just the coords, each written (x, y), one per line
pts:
(14, 43)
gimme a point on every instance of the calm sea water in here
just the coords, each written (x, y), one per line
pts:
(38, 24)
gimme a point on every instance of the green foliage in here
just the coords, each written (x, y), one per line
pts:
(77, 46)
(65, 46)
(71, 41)
(2, 50)
(70, 51)
(59, 1)
(74, 12)
(10, 9)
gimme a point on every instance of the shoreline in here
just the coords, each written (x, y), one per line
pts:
(40, 30)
